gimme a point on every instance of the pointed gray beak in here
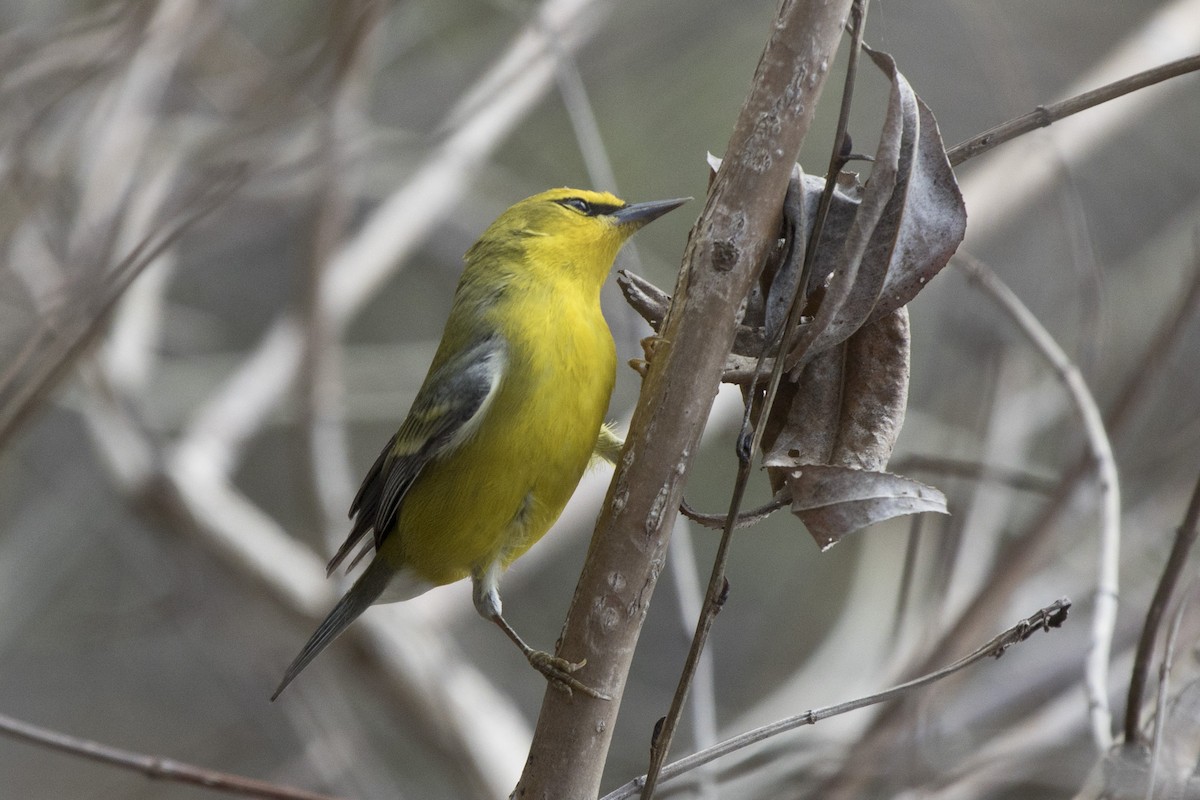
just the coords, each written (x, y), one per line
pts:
(640, 214)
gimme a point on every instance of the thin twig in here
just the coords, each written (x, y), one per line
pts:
(153, 767)
(991, 192)
(1043, 116)
(1185, 537)
(330, 481)
(714, 599)
(744, 519)
(703, 705)
(1052, 616)
(1105, 616)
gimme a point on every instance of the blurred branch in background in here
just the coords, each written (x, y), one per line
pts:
(1104, 617)
(153, 767)
(1185, 539)
(323, 423)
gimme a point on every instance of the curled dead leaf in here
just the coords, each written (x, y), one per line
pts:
(834, 420)
(874, 393)
(834, 501)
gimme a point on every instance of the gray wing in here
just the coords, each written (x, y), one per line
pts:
(446, 411)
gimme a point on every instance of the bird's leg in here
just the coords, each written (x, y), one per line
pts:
(557, 670)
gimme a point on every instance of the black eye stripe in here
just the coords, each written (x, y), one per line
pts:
(589, 209)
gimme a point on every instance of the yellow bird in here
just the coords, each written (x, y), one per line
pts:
(506, 421)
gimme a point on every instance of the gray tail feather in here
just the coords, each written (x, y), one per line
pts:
(365, 591)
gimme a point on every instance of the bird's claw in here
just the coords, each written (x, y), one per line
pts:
(559, 672)
(649, 345)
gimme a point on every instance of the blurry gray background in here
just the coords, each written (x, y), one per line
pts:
(165, 512)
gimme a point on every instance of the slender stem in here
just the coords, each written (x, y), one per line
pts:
(1043, 116)
(744, 520)
(154, 767)
(1185, 537)
(714, 598)
(703, 706)
(1052, 616)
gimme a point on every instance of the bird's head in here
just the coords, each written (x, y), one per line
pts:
(571, 229)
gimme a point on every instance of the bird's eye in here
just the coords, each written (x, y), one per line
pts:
(582, 206)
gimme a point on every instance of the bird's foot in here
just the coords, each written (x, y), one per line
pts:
(559, 672)
(650, 344)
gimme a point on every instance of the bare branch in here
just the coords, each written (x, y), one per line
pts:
(1042, 116)
(744, 518)
(153, 767)
(738, 223)
(718, 584)
(1052, 616)
(1160, 700)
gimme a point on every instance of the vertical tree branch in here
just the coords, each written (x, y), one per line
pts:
(739, 222)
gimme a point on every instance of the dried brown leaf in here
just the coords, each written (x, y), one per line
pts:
(833, 501)
(807, 414)
(934, 221)
(847, 407)
(910, 220)
(864, 255)
(874, 393)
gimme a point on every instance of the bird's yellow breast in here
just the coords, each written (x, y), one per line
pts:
(500, 491)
